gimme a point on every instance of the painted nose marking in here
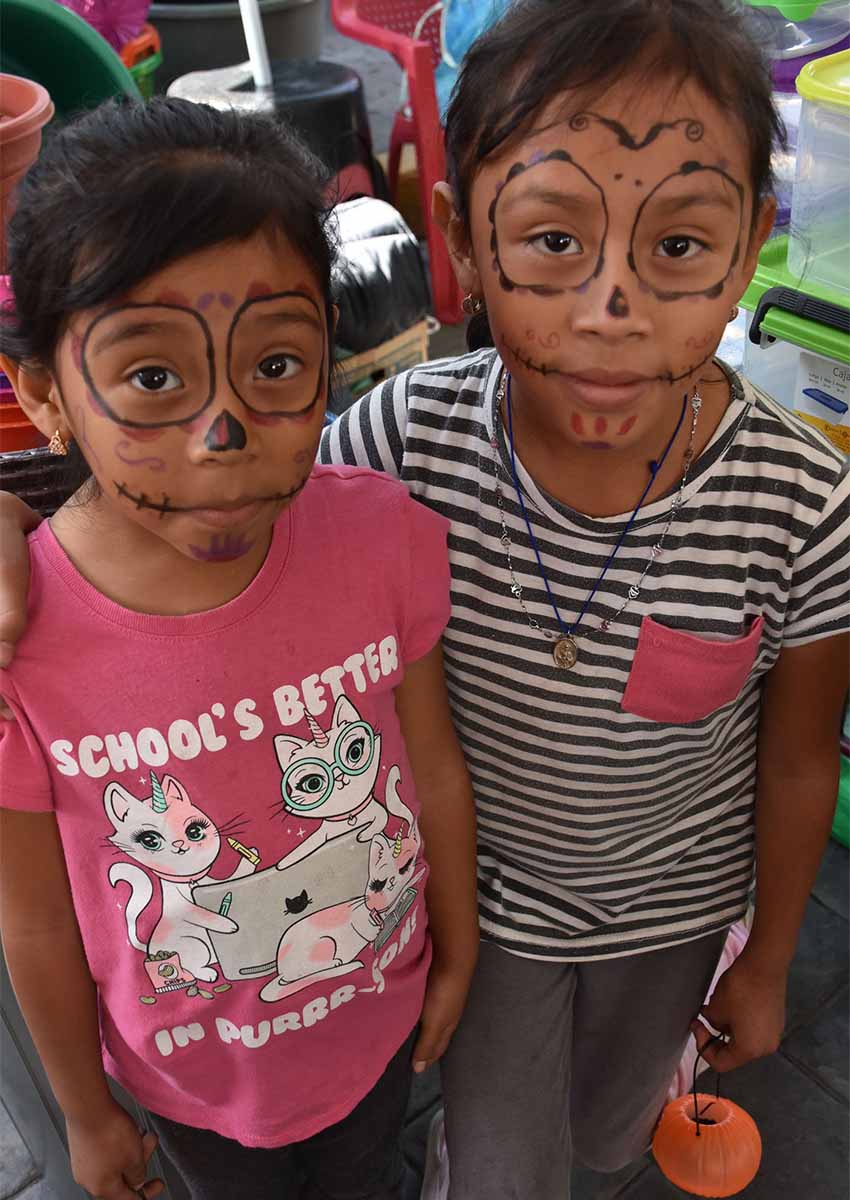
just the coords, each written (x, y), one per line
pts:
(618, 305)
(225, 433)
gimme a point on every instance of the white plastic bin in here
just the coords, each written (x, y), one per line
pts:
(820, 216)
(795, 28)
(809, 384)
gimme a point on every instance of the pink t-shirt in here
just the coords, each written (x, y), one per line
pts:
(237, 811)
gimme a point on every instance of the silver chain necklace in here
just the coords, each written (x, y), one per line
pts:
(565, 649)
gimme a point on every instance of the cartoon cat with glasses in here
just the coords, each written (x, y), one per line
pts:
(332, 777)
(328, 943)
(178, 843)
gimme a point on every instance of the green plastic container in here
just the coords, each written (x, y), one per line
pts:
(58, 49)
(144, 73)
(807, 367)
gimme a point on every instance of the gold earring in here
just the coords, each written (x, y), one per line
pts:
(57, 444)
(472, 305)
(733, 316)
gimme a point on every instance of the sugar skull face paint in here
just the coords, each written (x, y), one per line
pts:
(202, 417)
(610, 243)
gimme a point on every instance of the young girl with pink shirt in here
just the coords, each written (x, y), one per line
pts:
(232, 749)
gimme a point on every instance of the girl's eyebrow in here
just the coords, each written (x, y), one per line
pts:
(555, 199)
(125, 333)
(289, 318)
(675, 204)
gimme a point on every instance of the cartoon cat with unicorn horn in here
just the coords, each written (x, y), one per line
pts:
(177, 843)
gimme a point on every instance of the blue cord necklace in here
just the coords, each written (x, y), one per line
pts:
(565, 650)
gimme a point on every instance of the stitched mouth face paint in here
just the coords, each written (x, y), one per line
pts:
(165, 505)
(546, 368)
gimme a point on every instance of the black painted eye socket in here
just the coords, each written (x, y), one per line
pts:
(377, 885)
(526, 253)
(680, 264)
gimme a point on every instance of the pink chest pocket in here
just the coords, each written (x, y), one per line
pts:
(678, 677)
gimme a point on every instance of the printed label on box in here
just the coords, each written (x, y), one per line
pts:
(822, 397)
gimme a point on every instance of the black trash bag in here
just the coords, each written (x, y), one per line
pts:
(380, 283)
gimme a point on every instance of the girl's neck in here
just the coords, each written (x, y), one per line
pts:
(138, 570)
(607, 483)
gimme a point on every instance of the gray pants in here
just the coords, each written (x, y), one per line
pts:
(559, 1060)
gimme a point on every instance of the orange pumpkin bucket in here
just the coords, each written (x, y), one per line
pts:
(716, 1155)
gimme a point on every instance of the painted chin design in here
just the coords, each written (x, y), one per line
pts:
(141, 500)
(223, 547)
(542, 368)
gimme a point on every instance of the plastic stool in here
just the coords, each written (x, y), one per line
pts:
(322, 100)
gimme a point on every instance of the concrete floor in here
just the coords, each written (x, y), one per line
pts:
(799, 1096)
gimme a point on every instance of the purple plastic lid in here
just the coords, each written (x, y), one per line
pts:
(786, 70)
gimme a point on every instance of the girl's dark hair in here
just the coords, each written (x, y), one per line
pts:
(541, 48)
(129, 188)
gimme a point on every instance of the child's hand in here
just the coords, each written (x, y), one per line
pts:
(748, 1005)
(445, 996)
(109, 1156)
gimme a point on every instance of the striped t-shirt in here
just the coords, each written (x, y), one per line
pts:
(612, 822)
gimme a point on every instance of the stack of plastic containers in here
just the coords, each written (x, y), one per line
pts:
(798, 305)
(820, 233)
(794, 33)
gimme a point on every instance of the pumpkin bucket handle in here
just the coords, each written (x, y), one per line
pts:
(718, 1037)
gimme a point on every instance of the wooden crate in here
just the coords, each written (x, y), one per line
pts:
(363, 371)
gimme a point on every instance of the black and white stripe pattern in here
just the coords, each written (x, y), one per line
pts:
(601, 832)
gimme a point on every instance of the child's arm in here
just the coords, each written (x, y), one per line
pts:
(448, 829)
(797, 785)
(47, 964)
(16, 521)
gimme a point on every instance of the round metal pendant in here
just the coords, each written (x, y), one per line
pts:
(565, 653)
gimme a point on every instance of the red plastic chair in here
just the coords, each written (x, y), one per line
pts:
(391, 25)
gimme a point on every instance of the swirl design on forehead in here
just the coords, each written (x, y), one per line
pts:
(580, 121)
